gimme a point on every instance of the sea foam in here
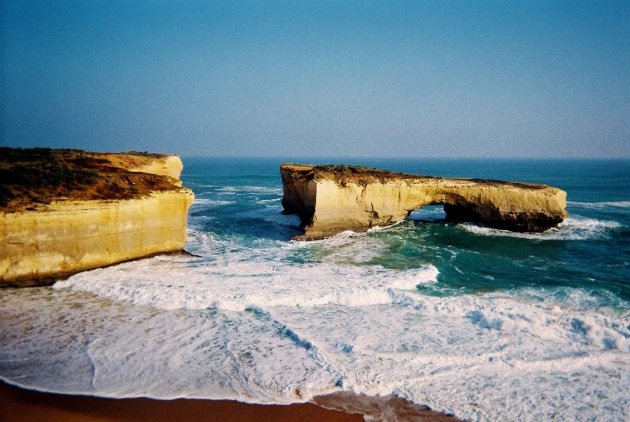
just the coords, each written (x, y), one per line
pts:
(339, 324)
(210, 202)
(599, 205)
(482, 357)
(573, 228)
(238, 284)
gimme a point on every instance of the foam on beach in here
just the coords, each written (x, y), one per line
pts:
(254, 326)
(479, 356)
(237, 283)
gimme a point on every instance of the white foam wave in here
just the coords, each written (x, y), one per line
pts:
(381, 228)
(600, 205)
(211, 202)
(250, 189)
(347, 247)
(171, 283)
(200, 185)
(80, 344)
(574, 228)
(204, 244)
(268, 201)
(481, 357)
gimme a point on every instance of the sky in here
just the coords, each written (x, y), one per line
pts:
(459, 79)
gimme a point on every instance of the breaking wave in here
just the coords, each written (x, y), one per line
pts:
(481, 357)
(574, 228)
(599, 205)
(235, 285)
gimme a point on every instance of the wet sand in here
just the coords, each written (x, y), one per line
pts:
(18, 405)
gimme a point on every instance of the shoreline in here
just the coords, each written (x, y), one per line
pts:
(22, 405)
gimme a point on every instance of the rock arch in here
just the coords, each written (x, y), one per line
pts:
(331, 199)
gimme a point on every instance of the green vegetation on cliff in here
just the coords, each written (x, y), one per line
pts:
(36, 176)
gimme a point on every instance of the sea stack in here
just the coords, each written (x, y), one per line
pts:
(65, 211)
(331, 199)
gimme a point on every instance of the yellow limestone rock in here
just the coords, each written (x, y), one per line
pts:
(161, 165)
(67, 236)
(331, 199)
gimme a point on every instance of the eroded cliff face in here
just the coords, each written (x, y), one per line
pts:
(331, 199)
(45, 242)
(37, 247)
(160, 165)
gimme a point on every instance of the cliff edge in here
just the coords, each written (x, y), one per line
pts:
(65, 211)
(331, 199)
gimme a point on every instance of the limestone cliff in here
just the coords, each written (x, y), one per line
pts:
(331, 199)
(160, 165)
(112, 210)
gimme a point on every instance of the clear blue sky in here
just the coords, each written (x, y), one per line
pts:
(318, 78)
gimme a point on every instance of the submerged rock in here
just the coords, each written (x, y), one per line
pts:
(331, 199)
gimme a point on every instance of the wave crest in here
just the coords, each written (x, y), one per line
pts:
(574, 228)
(599, 205)
(173, 283)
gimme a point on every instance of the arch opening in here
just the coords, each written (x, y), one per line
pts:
(428, 213)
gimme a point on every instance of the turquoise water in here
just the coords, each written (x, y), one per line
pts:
(480, 323)
(592, 253)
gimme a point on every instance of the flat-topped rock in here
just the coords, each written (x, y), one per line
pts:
(331, 199)
(65, 211)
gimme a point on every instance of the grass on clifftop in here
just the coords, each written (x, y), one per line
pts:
(362, 175)
(343, 174)
(33, 177)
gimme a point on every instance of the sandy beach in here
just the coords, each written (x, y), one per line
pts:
(20, 405)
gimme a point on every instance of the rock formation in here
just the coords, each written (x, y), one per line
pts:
(86, 210)
(331, 199)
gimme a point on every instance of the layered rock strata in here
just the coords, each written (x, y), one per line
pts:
(331, 199)
(45, 242)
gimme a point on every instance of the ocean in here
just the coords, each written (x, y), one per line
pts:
(480, 323)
